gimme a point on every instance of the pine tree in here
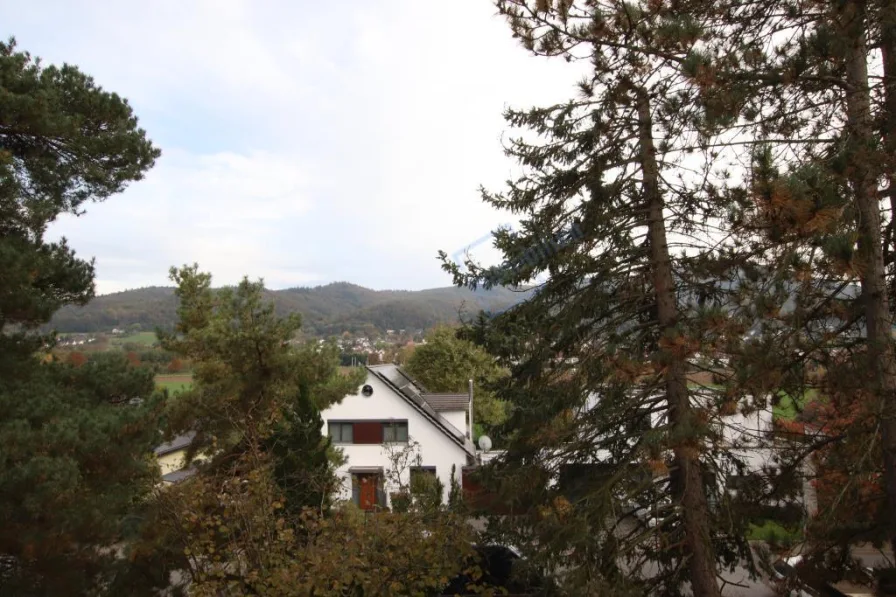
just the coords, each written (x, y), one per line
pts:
(76, 440)
(259, 507)
(64, 142)
(863, 175)
(886, 17)
(639, 279)
(455, 493)
(813, 99)
(302, 465)
(248, 379)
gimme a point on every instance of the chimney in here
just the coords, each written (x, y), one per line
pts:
(470, 428)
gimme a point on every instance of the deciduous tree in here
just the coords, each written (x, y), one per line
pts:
(447, 363)
(133, 358)
(77, 358)
(238, 539)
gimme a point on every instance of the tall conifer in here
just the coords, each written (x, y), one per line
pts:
(614, 357)
(74, 442)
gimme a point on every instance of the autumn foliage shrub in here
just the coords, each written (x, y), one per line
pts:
(235, 537)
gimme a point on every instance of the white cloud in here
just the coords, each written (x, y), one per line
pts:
(218, 210)
(303, 142)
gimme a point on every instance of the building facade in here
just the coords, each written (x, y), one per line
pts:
(392, 429)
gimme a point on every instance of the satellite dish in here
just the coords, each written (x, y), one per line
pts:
(485, 443)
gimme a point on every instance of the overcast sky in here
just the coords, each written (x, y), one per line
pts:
(303, 142)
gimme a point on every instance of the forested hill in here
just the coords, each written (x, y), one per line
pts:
(330, 309)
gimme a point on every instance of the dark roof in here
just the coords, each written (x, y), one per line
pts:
(399, 377)
(178, 443)
(365, 469)
(175, 476)
(407, 388)
(444, 402)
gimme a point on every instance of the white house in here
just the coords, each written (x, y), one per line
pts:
(746, 437)
(172, 459)
(392, 416)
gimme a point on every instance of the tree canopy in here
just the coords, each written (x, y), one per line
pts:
(77, 439)
(446, 363)
(723, 170)
(256, 518)
(64, 141)
(707, 228)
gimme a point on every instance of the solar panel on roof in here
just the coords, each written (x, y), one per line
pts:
(411, 390)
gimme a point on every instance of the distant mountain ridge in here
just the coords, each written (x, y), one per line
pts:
(326, 310)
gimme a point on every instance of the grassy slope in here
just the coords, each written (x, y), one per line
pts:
(143, 338)
(174, 383)
(789, 407)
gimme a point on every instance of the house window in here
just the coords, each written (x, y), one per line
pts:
(341, 432)
(368, 432)
(395, 432)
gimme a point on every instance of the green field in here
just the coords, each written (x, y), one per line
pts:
(788, 408)
(143, 338)
(773, 532)
(174, 382)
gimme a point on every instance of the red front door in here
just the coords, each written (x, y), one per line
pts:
(367, 499)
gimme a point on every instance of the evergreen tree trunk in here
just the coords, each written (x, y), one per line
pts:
(687, 479)
(888, 50)
(874, 291)
(887, 18)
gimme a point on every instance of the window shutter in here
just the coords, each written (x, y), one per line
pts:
(368, 432)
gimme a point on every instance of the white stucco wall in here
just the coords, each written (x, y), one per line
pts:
(486, 457)
(172, 461)
(748, 437)
(436, 449)
(458, 418)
